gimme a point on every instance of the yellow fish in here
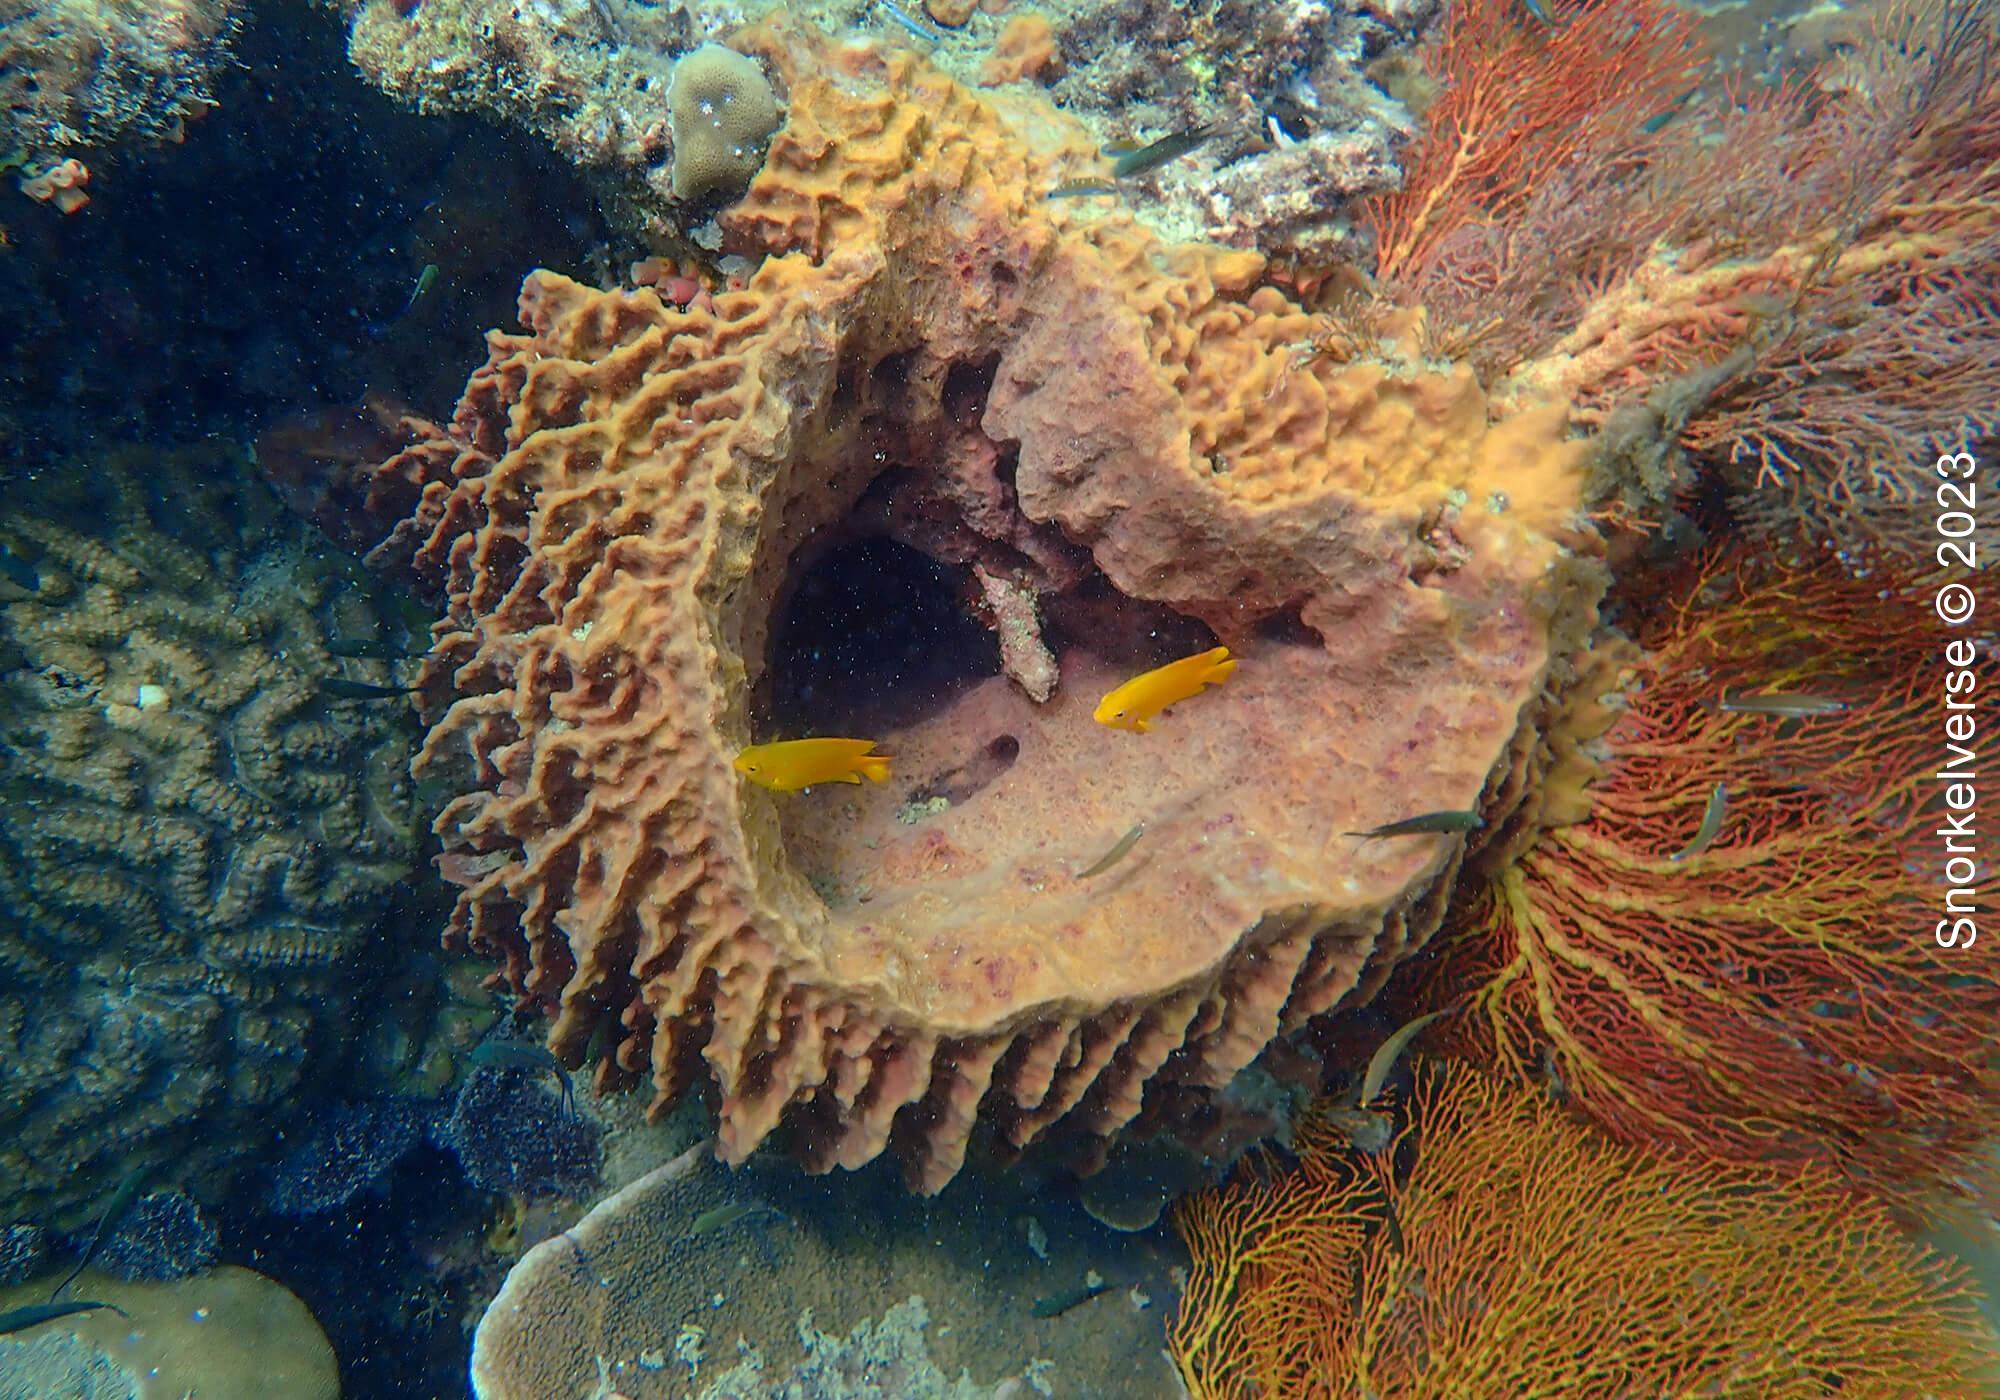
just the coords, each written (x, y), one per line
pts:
(1136, 703)
(792, 764)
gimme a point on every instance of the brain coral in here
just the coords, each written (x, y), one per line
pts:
(193, 843)
(664, 533)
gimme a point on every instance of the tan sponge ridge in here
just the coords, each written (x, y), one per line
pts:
(722, 112)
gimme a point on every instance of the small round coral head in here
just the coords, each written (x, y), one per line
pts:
(792, 764)
(1135, 704)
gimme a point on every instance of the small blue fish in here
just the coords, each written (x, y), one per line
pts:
(1056, 1304)
(723, 1216)
(910, 22)
(114, 1209)
(1542, 13)
(1429, 824)
(1654, 124)
(1711, 824)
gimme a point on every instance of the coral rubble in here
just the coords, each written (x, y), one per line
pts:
(162, 1235)
(632, 493)
(1301, 126)
(593, 80)
(195, 841)
(512, 1135)
(56, 1363)
(348, 1149)
(23, 1247)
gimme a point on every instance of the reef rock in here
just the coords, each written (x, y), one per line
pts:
(77, 73)
(1299, 124)
(663, 533)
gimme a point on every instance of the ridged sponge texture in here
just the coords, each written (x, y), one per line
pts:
(1121, 430)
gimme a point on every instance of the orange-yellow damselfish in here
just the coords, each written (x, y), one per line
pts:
(1135, 704)
(792, 764)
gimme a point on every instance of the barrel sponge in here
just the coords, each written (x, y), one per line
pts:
(722, 112)
(633, 491)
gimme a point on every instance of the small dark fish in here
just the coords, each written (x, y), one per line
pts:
(1080, 189)
(370, 649)
(721, 1217)
(1429, 824)
(1056, 1304)
(1169, 147)
(19, 571)
(607, 21)
(1385, 1056)
(120, 1201)
(1366, 1130)
(603, 1043)
(1550, 1074)
(35, 1314)
(1392, 1228)
(1115, 854)
(910, 22)
(1654, 124)
(1711, 824)
(341, 688)
(538, 1059)
(1784, 706)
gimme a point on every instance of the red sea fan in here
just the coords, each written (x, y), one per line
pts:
(1522, 99)
(1783, 993)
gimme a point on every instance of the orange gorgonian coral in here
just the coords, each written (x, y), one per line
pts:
(1780, 994)
(1500, 1249)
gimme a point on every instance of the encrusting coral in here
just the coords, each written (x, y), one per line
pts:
(194, 843)
(633, 493)
(1497, 1248)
